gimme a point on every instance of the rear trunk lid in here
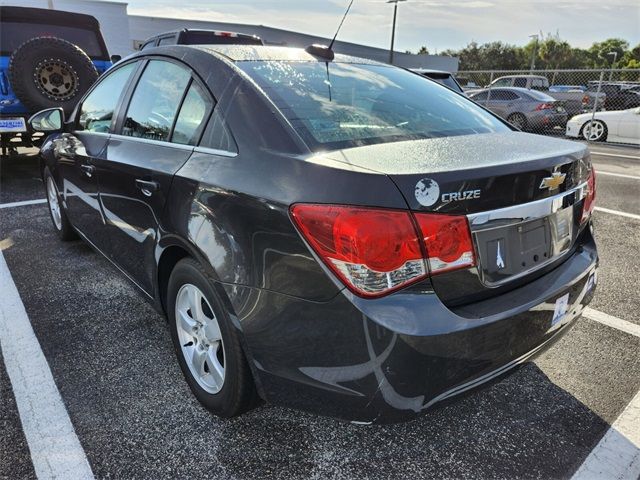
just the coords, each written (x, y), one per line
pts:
(522, 195)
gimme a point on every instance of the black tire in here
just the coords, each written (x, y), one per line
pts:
(238, 393)
(61, 225)
(48, 72)
(518, 120)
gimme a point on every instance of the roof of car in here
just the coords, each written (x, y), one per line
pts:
(242, 53)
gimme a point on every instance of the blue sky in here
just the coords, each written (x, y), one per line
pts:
(438, 24)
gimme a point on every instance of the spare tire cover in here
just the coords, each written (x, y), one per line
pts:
(48, 72)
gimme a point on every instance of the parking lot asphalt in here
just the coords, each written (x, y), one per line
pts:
(112, 360)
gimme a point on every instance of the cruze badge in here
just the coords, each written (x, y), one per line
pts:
(554, 181)
(428, 192)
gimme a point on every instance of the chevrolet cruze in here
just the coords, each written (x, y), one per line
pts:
(327, 233)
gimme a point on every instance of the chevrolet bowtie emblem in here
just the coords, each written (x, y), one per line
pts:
(554, 181)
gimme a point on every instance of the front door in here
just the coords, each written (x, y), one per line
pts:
(79, 153)
(159, 130)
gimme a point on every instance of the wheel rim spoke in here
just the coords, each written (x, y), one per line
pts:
(216, 370)
(200, 338)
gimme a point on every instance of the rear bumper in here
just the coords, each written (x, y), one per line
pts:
(549, 120)
(389, 359)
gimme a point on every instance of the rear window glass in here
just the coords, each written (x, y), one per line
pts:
(540, 96)
(14, 34)
(210, 38)
(341, 105)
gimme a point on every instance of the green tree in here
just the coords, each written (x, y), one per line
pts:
(599, 52)
(423, 51)
(554, 53)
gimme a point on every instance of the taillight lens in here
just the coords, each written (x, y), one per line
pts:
(590, 199)
(585, 100)
(545, 106)
(447, 240)
(376, 251)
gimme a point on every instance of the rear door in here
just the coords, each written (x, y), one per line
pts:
(79, 153)
(162, 124)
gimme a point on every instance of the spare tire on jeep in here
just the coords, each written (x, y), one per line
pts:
(50, 72)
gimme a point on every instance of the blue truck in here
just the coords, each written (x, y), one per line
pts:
(48, 58)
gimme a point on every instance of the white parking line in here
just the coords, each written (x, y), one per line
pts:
(615, 155)
(21, 204)
(621, 175)
(617, 455)
(611, 321)
(617, 212)
(55, 449)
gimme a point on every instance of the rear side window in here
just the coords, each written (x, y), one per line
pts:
(217, 136)
(97, 109)
(155, 101)
(342, 105)
(192, 115)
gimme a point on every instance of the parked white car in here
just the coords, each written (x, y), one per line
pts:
(618, 126)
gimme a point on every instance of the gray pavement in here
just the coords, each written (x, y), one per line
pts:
(112, 360)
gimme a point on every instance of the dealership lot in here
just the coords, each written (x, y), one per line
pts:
(111, 359)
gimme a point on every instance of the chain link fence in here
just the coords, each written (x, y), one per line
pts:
(549, 101)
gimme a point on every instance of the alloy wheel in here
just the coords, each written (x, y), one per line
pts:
(200, 338)
(593, 131)
(54, 204)
(56, 79)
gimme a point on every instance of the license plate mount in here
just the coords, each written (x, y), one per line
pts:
(512, 251)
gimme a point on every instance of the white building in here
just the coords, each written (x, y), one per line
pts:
(124, 33)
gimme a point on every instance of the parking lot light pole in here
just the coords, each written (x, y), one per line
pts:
(393, 27)
(533, 54)
(615, 58)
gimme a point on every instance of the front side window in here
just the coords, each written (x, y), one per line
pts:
(155, 101)
(96, 112)
(191, 117)
(520, 82)
(341, 105)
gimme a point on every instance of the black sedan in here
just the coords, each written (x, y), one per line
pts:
(331, 234)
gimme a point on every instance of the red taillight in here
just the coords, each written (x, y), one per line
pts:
(590, 199)
(376, 251)
(447, 240)
(585, 100)
(545, 106)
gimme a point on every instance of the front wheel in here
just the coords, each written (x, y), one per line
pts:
(207, 343)
(58, 216)
(595, 131)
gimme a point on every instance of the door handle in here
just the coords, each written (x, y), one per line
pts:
(88, 170)
(147, 187)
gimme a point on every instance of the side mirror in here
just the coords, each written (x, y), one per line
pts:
(116, 58)
(49, 121)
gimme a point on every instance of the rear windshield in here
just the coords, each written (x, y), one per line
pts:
(341, 105)
(540, 96)
(14, 34)
(210, 38)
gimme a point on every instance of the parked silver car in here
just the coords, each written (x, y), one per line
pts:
(525, 109)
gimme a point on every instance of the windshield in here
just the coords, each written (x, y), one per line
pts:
(14, 34)
(341, 105)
